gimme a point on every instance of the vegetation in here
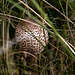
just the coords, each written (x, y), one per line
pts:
(57, 17)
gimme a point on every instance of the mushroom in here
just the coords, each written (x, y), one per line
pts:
(28, 34)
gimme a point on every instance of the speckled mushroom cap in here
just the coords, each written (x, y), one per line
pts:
(26, 38)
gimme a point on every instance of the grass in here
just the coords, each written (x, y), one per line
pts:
(58, 57)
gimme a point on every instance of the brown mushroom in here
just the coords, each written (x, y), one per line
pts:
(28, 34)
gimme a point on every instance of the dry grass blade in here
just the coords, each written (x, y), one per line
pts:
(59, 12)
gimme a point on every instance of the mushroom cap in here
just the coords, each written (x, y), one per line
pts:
(27, 33)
